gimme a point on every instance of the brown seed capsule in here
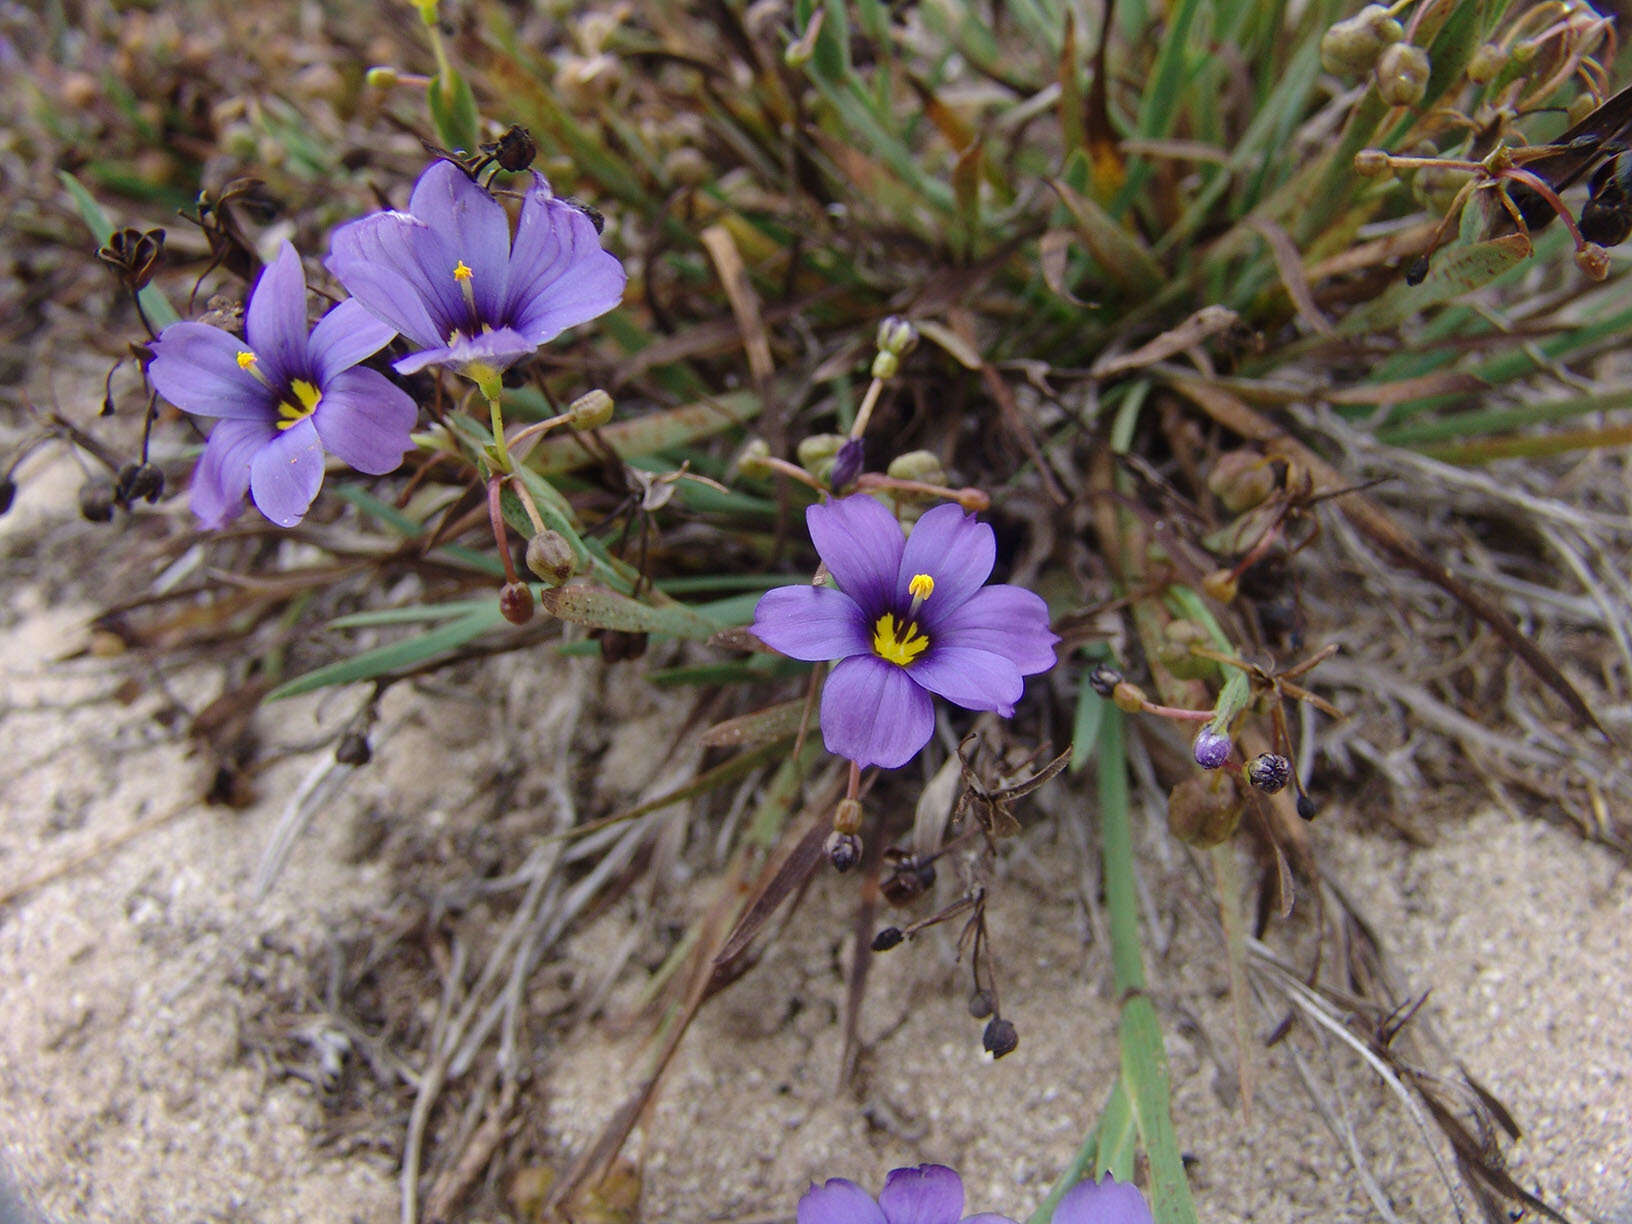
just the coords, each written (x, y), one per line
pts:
(551, 557)
(1269, 772)
(1204, 809)
(886, 939)
(1000, 1037)
(981, 1005)
(96, 500)
(843, 851)
(1104, 679)
(353, 749)
(516, 602)
(139, 480)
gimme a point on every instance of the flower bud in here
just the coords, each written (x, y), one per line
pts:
(551, 557)
(96, 500)
(1129, 698)
(381, 77)
(847, 816)
(1103, 679)
(1221, 585)
(591, 410)
(896, 335)
(1204, 809)
(1485, 63)
(1212, 748)
(516, 602)
(888, 938)
(353, 749)
(919, 465)
(1000, 1037)
(1269, 772)
(752, 460)
(1402, 74)
(843, 850)
(885, 365)
(847, 465)
(1373, 163)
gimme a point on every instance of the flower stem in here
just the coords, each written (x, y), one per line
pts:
(865, 412)
(495, 516)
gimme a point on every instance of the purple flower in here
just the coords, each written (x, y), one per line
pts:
(910, 618)
(448, 275)
(1212, 748)
(929, 1194)
(284, 398)
(1104, 1202)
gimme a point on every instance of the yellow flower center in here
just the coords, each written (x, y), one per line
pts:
(898, 642)
(309, 397)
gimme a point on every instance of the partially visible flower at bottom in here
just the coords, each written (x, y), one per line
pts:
(1102, 1202)
(928, 1194)
(284, 397)
(910, 618)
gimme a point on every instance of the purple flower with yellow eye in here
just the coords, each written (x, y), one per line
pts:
(910, 617)
(929, 1194)
(284, 394)
(450, 277)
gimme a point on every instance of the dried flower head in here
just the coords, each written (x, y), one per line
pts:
(909, 618)
(284, 398)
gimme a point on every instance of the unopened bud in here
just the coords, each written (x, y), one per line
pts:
(885, 365)
(919, 465)
(1212, 748)
(1129, 698)
(516, 602)
(1204, 809)
(1402, 74)
(1103, 679)
(1221, 585)
(96, 500)
(843, 850)
(1373, 163)
(753, 459)
(1485, 63)
(847, 816)
(381, 77)
(896, 335)
(1000, 1037)
(1269, 772)
(551, 557)
(847, 465)
(591, 410)
(888, 938)
(353, 749)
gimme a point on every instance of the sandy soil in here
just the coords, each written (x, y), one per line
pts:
(169, 1051)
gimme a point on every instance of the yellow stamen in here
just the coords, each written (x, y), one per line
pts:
(250, 363)
(898, 643)
(245, 360)
(921, 587)
(309, 397)
(463, 274)
(461, 271)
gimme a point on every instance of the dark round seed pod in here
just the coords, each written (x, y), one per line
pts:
(96, 498)
(843, 851)
(886, 939)
(1269, 771)
(140, 480)
(516, 602)
(1000, 1037)
(8, 493)
(1306, 807)
(1417, 270)
(1104, 679)
(981, 1005)
(353, 749)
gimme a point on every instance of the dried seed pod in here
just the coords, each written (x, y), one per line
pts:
(981, 1005)
(847, 816)
(1129, 698)
(551, 557)
(1269, 772)
(514, 151)
(353, 749)
(1204, 809)
(886, 939)
(96, 499)
(1000, 1037)
(139, 480)
(516, 602)
(1104, 679)
(617, 646)
(843, 850)
(1242, 479)
(1221, 585)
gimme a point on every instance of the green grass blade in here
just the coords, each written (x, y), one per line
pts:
(397, 656)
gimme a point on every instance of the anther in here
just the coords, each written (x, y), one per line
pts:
(463, 274)
(251, 364)
(920, 588)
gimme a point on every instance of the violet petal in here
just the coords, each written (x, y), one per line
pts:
(195, 367)
(1007, 620)
(366, 419)
(286, 473)
(929, 1194)
(873, 714)
(1105, 1202)
(275, 320)
(811, 623)
(221, 476)
(861, 543)
(500, 349)
(473, 228)
(838, 1201)
(560, 275)
(394, 265)
(956, 549)
(973, 679)
(346, 335)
